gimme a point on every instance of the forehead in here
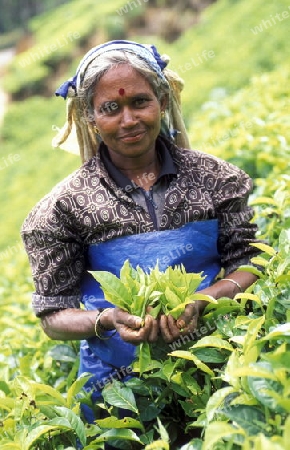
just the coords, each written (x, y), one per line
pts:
(121, 79)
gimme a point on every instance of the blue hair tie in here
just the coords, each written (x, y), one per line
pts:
(63, 89)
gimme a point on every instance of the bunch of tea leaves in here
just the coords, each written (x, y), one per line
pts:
(132, 292)
(154, 292)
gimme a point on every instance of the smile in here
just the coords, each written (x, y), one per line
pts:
(132, 137)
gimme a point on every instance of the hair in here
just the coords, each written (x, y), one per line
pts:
(80, 109)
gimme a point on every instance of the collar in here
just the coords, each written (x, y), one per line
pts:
(168, 167)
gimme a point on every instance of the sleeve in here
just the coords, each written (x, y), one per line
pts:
(236, 229)
(56, 257)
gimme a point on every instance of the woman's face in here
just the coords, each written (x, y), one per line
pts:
(127, 113)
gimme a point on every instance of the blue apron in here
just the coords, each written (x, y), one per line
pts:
(194, 245)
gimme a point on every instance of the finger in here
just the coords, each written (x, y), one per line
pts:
(174, 330)
(165, 332)
(135, 337)
(138, 335)
(169, 330)
(149, 332)
(124, 318)
(190, 326)
(185, 318)
(153, 328)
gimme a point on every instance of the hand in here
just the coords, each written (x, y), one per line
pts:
(172, 329)
(132, 328)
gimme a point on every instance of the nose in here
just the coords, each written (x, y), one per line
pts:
(128, 117)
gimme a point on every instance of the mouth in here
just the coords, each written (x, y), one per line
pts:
(132, 137)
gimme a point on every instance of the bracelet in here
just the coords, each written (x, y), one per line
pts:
(234, 282)
(100, 327)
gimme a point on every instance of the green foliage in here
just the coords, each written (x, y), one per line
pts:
(226, 30)
(251, 128)
(271, 202)
(30, 166)
(230, 379)
(256, 403)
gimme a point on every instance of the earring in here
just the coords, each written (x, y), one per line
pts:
(96, 130)
(162, 114)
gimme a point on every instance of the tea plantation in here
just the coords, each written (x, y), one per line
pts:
(228, 389)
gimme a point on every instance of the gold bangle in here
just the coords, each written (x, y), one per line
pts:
(99, 327)
(234, 282)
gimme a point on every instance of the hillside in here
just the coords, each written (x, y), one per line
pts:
(216, 58)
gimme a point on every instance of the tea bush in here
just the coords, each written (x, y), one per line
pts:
(225, 387)
(30, 166)
(250, 128)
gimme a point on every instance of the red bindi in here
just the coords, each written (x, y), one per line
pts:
(121, 91)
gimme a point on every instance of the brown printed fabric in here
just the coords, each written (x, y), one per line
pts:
(88, 207)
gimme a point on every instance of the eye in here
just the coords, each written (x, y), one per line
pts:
(142, 101)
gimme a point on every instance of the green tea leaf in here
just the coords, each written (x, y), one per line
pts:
(144, 357)
(265, 248)
(114, 422)
(62, 352)
(194, 281)
(216, 431)
(207, 298)
(252, 333)
(154, 311)
(123, 434)
(160, 444)
(12, 446)
(4, 387)
(172, 299)
(7, 403)
(248, 296)
(36, 434)
(287, 432)
(54, 396)
(74, 421)
(278, 332)
(211, 355)
(251, 269)
(178, 310)
(190, 357)
(75, 388)
(162, 431)
(250, 418)
(213, 341)
(216, 400)
(114, 290)
(261, 388)
(254, 371)
(117, 394)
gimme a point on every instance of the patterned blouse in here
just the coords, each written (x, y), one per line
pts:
(89, 207)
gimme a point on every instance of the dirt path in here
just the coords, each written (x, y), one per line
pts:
(5, 58)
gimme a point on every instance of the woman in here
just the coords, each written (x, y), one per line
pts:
(139, 195)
